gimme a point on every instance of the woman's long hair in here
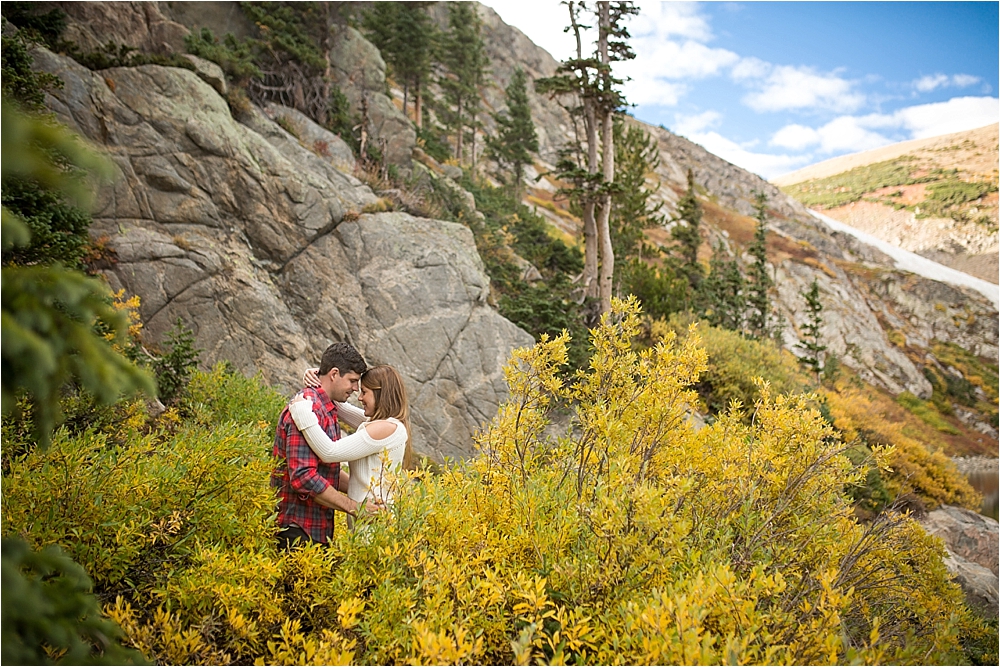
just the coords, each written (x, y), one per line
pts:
(386, 385)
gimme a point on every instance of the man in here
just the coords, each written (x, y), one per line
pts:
(309, 490)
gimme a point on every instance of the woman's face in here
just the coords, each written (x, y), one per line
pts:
(368, 400)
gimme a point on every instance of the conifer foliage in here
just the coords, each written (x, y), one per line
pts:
(722, 296)
(633, 210)
(811, 340)
(463, 56)
(516, 138)
(759, 320)
(405, 36)
(687, 233)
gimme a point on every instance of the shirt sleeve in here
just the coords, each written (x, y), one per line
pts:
(351, 415)
(302, 462)
(348, 448)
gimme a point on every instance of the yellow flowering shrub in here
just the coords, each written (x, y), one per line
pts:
(630, 538)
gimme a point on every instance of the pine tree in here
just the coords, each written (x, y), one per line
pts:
(404, 35)
(811, 340)
(50, 311)
(516, 138)
(632, 211)
(687, 233)
(418, 36)
(463, 55)
(759, 283)
(576, 79)
(723, 292)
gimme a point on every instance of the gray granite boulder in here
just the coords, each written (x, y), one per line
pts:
(971, 543)
(260, 246)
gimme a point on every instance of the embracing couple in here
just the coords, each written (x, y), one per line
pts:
(309, 448)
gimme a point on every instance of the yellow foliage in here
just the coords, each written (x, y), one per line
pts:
(913, 469)
(630, 538)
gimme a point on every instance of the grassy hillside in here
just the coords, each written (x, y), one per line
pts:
(946, 192)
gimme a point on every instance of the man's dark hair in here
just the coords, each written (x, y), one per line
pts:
(344, 358)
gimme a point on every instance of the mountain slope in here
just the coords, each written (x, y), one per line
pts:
(936, 197)
(882, 322)
(235, 224)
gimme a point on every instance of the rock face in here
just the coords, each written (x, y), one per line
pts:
(141, 25)
(239, 230)
(972, 536)
(971, 542)
(359, 70)
(314, 137)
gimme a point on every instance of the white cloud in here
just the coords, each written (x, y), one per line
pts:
(928, 83)
(787, 87)
(691, 125)
(955, 115)
(964, 80)
(662, 20)
(645, 88)
(931, 82)
(795, 137)
(751, 68)
(763, 164)
(668, 39)
(851, 134)
(659, 67)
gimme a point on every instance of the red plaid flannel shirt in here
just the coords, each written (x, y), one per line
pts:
(299, 475)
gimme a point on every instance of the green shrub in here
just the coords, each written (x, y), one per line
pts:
(735, 363)
(121, 55)
(44, 27)
(434, 142)
(926, 412)
(59, 231)
(19, 82)
(851, 185)
(173, 368)
(954, 193)
(235, 57)
(661, 289)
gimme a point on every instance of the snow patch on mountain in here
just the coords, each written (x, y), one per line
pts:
(914, 263)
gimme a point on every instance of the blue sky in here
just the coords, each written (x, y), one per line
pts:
(776, 86)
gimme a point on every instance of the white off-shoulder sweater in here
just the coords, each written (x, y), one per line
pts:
(374, 463)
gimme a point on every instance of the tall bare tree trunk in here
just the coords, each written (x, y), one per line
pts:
(607, 270)
(590, 259)
(418, 104)
(461, 128)
(326, 45)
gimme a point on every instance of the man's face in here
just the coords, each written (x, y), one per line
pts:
(340, 387)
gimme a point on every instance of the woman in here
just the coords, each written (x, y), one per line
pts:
(379, 447)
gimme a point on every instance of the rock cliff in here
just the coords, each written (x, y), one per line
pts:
(261, 247)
